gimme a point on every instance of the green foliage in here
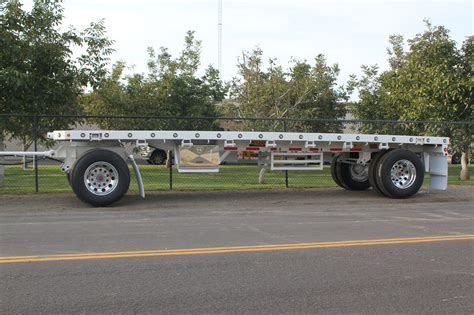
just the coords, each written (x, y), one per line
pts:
(170, 88)
(369, 104)
(38, 73)
(303, 90)
(431, 80)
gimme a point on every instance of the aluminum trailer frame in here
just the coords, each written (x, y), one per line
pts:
(285, 151)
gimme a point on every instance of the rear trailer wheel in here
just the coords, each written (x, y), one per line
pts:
(353, 176)
(400, 173)
(372, 167)
(334, 165)
(100, 177)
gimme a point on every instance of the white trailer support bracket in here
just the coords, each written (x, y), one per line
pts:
(50, 153)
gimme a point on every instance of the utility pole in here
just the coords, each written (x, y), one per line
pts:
(219, 37)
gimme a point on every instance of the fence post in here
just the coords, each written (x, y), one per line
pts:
(2, 168)
(35, 143)
(169, 164)
(285, 128)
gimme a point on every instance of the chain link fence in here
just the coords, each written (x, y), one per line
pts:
(240, 171)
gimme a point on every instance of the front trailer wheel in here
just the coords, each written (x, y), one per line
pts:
(354, 176)
(400, 173)
(334, 165)
(351, 176)
(100, 177)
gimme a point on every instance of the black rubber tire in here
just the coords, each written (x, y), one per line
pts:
(157, 157)
(372, 166)
(339, 173)
(383, 176)
(344, 175)
(334, 165)
(69, 180)
(90, 157)
(456, 158)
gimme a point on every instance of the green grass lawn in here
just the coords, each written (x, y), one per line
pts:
(19, 181)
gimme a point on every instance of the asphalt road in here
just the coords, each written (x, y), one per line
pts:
(223, 252)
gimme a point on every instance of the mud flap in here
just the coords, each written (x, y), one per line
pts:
(438, 169)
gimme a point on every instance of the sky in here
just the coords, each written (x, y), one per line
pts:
(350, 33)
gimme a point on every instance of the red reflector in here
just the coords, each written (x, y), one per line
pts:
(314, 149)
(356, 149)
(230, 149)
(295, 149)
(273, 149)
(252, 148)
(335, 149)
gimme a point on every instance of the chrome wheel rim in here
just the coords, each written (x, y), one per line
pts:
(359, 173)
(403, 174)
(101, 178)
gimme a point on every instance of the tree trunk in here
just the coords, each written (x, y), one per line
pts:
(464, 169)
(26, 146)
(261, 175)
(25, 159)
(262, 163)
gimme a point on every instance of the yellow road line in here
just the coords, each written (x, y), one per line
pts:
(230, 249)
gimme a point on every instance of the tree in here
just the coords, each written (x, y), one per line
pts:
(171, 87)
(38, 72)
(370, 104)
(465, 138)
(303, 90)
(432, 80)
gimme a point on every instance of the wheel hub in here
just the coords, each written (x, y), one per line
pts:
(101, 178)
(403, 174)
(359, 172)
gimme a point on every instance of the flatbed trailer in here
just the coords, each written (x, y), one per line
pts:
(96, 161)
